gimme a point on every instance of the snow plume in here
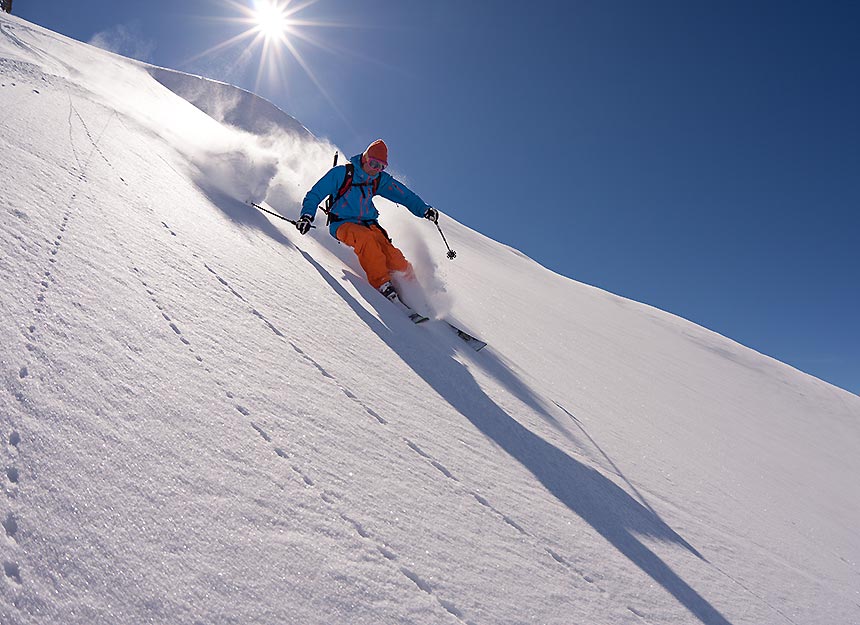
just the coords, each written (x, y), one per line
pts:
(239, 171)
(300, 164)
(231, 105)
(278, 168)
(429, 294)
(267, 133)
(124, 40)
(221, 157)
(217, 156)
(225, 158)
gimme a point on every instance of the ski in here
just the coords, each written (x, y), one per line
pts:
(414, 316)
(472, 341)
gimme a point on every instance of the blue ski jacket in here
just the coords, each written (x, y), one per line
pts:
(356, 205)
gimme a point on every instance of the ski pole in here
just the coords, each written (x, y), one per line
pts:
(292, 221)
(451, 253)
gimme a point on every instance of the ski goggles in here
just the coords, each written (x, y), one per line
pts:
(375, 164)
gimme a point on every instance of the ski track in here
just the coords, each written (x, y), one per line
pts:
(12, 474)
(47, 59)
(94, 142)
(44, 281)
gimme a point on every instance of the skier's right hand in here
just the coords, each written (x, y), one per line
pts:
(432, 214)
(303, 225)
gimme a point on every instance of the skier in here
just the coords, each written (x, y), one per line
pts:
(353, 217)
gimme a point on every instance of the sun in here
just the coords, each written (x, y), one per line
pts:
(271, 20)
(272, 33)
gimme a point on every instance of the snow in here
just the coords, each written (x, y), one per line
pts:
(208, 418)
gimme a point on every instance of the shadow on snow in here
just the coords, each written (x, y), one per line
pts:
(606, 507)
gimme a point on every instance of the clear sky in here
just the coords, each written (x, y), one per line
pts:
(703, 158)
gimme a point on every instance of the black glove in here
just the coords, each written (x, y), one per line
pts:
(303, 225)
(432, 214)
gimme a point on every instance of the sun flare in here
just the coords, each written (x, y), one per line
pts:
(271, 20)
(273, 33)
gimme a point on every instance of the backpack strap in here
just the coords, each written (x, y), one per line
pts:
(345, 187)
(347, 183)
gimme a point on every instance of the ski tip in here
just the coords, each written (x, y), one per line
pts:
(472, 341)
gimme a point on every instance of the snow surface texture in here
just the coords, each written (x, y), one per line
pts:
(207, 418)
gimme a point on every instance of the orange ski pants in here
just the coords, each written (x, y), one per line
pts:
(376, 254)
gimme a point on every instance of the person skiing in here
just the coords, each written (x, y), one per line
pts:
(353, 219)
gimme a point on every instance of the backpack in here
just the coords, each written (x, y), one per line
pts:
(346, 186)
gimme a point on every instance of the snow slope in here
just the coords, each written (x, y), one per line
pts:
(207, 418)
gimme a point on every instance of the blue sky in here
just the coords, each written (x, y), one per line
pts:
(703, 158)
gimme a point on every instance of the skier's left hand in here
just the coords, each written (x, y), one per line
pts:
(432, 214)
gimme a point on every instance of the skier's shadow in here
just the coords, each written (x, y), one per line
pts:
(606, 507)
